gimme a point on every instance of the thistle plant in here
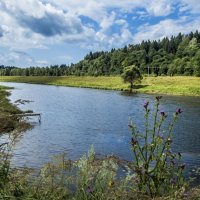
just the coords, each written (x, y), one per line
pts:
(159, 171)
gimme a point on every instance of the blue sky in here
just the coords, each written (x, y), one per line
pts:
(47, 32)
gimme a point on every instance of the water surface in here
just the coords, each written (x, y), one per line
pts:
(75, 118)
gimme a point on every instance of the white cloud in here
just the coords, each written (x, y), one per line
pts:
(126, 35)
(28, 24)
(159, 7)
(104, 42)
(20, 59)
(142, 15)
(90, 8)
(96, 9)
(42, 62)
(192, 6)
(37, 23)
(66, 58)
(107, 21)
(122, 22)
(15, 57)
(32, 8)
(165, 28)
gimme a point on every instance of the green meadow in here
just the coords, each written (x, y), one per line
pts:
(176, 85)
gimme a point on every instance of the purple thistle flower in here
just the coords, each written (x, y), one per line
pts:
(179, 111)
(158, 98)
(146, 105)
(182, 166)
(163, 114)
(134, 142)
(89, 189)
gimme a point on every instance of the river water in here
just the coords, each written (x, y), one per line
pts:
(75, 118)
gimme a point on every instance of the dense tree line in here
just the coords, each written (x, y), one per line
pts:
(177, 55)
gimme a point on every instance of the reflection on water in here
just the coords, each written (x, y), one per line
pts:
(74, 118)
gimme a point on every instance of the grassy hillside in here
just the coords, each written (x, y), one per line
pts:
(177, 85)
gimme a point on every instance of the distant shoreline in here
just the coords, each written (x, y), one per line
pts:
(176, 85)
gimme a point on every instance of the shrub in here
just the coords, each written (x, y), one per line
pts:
(131, 75)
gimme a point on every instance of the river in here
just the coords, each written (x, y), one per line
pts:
(75, 118)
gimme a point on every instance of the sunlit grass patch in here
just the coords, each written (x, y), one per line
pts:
(177, 85)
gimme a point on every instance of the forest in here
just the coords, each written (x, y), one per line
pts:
(177, 55)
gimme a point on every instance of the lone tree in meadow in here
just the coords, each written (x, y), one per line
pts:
(130, 75)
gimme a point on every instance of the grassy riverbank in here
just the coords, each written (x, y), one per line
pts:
(177, 85)
(8, 120)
